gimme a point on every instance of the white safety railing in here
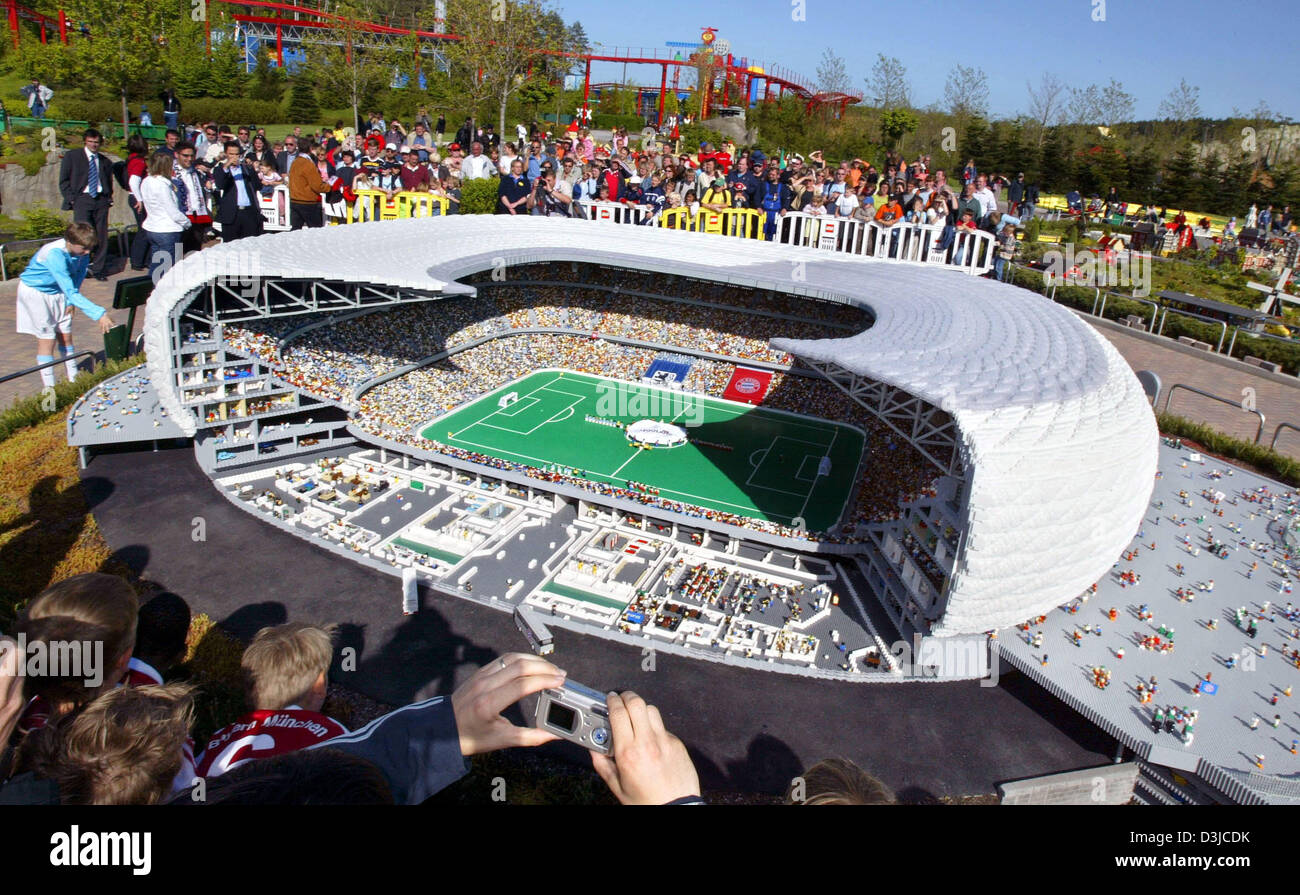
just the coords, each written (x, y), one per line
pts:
(275, 208)
(969, 250)
(614, 212)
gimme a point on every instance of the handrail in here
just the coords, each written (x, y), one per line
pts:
(1238, 330)
(54, 363)
(1155, 308)
(1272, 445)
(1223, 335)
(40, 241)
(1237, 404)
(119, 233)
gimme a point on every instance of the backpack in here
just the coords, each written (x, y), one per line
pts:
(119, 174)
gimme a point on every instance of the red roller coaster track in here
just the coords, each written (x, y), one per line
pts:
(730, 79)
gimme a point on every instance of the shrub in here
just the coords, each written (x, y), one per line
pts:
(38, 222)
(16, 263)
(479, 196)
(231, 111)
(30, 161)
(93, 110)
(1285, 353)
(1214, 441)
(693, 135)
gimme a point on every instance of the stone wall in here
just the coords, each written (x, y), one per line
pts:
(18, 191)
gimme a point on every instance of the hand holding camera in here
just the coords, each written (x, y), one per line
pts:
(478, 703)
(649, 766)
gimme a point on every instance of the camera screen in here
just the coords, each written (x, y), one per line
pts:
(561, 717)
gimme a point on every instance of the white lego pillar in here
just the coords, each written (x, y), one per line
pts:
(410, 591)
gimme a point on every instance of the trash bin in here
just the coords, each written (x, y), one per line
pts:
(117, 342)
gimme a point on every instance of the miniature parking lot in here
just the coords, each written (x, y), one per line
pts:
(578, 565)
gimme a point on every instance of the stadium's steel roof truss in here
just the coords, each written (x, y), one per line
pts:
(236, 300)
(927, 428)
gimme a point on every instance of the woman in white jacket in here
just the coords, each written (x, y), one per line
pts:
(164, 221)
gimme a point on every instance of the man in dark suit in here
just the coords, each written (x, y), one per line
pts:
(284, 159)
(236, 185)
(86, 184)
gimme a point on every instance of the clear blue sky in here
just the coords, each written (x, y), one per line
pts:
(1148, 45)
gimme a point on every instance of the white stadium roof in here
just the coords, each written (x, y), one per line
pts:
(1059, 439)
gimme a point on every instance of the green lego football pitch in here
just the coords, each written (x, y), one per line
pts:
(760, 463)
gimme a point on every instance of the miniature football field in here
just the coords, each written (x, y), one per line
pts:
(760, 463)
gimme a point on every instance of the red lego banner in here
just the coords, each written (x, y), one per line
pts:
(748, 386)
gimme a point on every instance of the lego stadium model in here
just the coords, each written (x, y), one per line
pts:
(763, 456)
(753, 453)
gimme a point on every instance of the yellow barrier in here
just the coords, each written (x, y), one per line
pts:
(708, 221)
(743, 222)
(746, 223)
(1217, 221)
(369, 206)
(420, 205)
(676, 219)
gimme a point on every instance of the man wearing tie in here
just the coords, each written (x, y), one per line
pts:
(236, 185)
(86, 184)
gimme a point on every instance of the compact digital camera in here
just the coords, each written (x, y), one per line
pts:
(576, 713)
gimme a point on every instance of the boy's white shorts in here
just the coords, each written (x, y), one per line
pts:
(42, 314)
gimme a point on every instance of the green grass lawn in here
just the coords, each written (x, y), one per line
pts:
(770, 473)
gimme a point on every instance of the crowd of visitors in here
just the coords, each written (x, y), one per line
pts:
(552, 174)
(124, 735)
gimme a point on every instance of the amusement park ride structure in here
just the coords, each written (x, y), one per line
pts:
(731, 80)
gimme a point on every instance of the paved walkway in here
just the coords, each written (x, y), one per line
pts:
(18, 351)
(1277, 397)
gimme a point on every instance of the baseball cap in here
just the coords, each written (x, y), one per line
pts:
(391, 146)
(454, 146)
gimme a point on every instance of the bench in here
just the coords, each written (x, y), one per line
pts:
(1188, 340)
(1268, 365)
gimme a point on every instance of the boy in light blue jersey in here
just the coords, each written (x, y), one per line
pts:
(46, 290)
